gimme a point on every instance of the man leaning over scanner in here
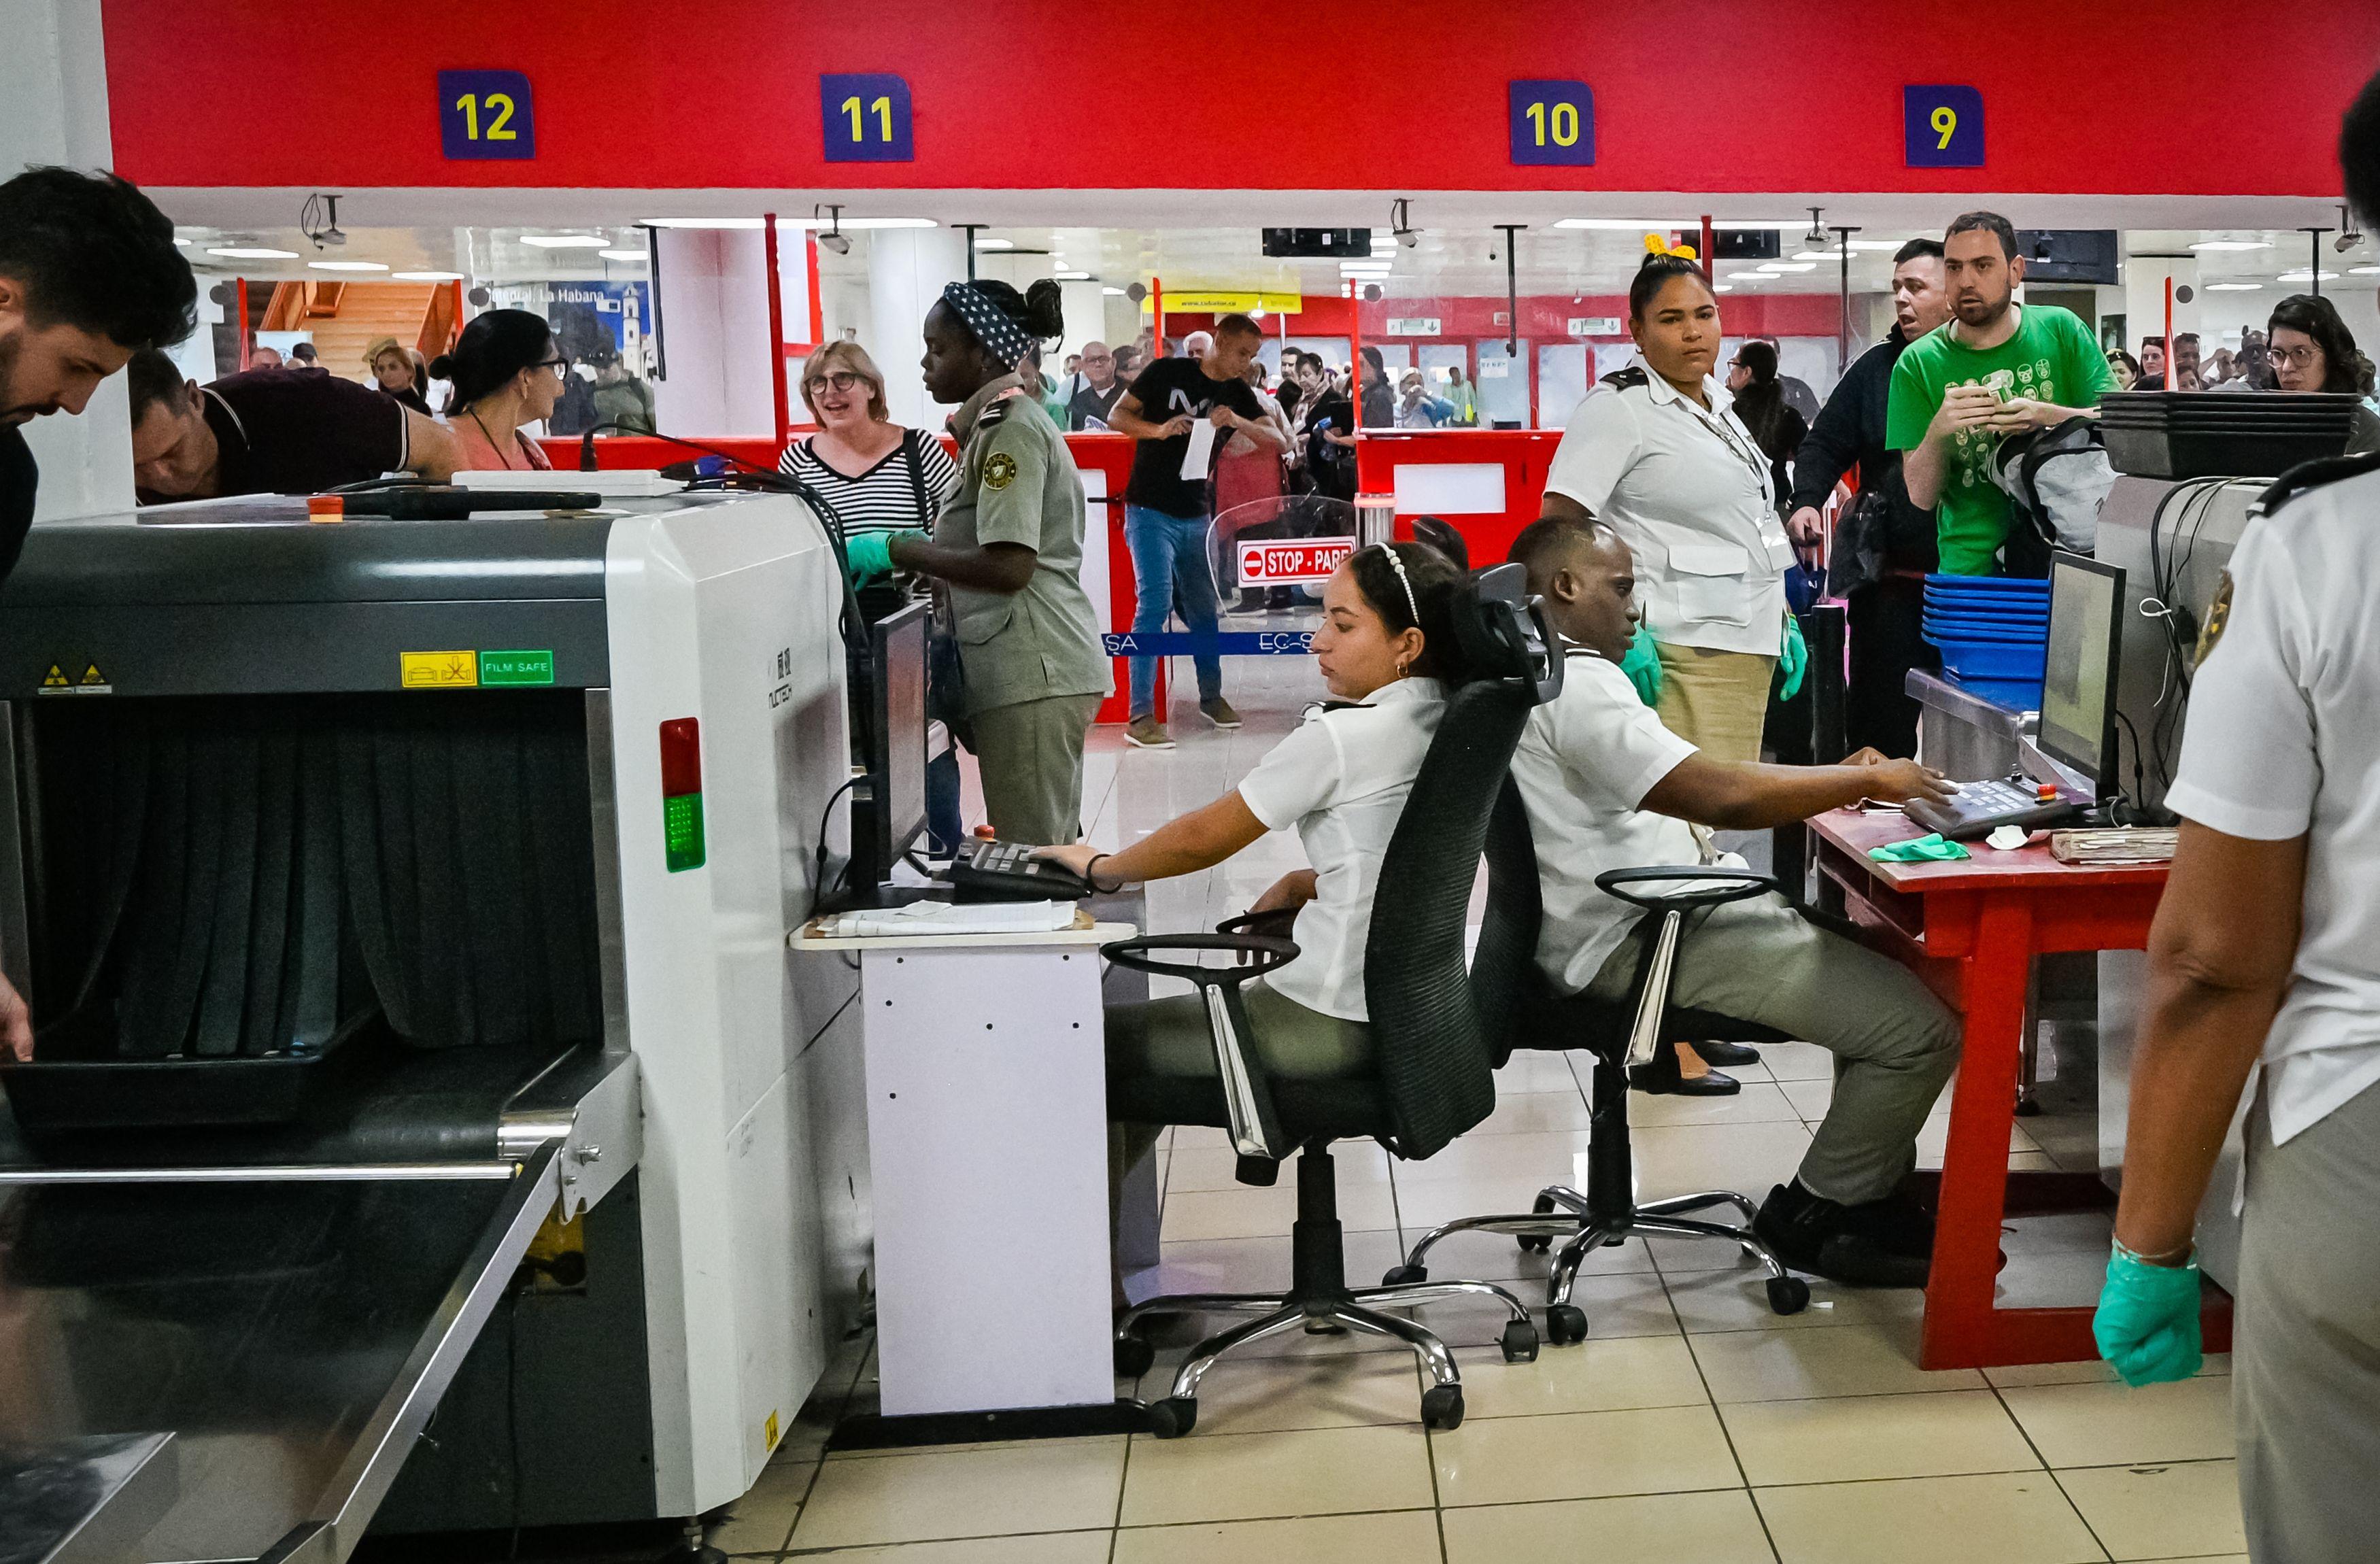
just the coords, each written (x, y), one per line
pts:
(1608, 787)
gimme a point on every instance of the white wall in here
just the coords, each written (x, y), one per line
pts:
(714, 315)
(907, 269)
(54, 109)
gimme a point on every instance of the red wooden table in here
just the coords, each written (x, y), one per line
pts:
(1972, 930)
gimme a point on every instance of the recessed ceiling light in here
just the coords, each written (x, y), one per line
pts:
(1775, 267)
(2232, 244)
(2235, 288)
(2362, 271)
(623, 255)
(345, 266)
(1072, 276)
(986, 243)
(1114, 292)
(2306, 276)
(565, 241)
(253, 252)
(1814, 255)
(426, 276)
(697, 221)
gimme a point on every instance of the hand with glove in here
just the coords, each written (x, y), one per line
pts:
(1643, 666)
(868, 555)
(2147, 1322)
(1792, 660)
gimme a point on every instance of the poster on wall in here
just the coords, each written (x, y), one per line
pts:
(604, 329)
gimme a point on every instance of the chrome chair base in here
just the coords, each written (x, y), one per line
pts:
(1564, 1214)
(1356, 1309)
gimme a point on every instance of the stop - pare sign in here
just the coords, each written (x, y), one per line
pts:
(1281, 562)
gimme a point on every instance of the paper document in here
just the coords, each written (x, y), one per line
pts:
(1197, 460)
(942, 917)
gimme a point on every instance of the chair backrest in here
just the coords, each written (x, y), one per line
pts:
(1433, 1056)
(1505, 979)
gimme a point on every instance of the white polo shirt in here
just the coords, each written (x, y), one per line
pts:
(1342, 778)
(2281, 741)
(1689, 492)
(1584, 764)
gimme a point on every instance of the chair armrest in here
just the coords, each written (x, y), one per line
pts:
(1703, 885)
(1248, 1094)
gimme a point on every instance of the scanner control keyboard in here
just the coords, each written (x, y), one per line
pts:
(1007, 871)
(1981, 808)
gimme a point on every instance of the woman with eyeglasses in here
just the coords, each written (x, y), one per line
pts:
(506, 372)
(879, 476)
(2311, 350)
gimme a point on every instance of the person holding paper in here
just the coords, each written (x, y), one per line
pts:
(1176, 409)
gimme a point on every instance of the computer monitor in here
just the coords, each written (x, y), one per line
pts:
(893, 711)
(2078, 688)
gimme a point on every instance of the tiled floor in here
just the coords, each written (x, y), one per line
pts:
(1692, 1428)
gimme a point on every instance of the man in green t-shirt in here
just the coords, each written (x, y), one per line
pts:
(1995, 369)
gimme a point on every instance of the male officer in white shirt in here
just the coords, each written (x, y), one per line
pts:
(2266, 949)
(1608, 787)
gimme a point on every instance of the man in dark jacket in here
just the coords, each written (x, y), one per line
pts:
(1885, 613)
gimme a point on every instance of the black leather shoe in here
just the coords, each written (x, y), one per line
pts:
(1663, 1078)
(1821, 1237)
(1727, 1056)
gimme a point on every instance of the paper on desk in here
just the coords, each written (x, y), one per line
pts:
(943, 918)
(1200, 457)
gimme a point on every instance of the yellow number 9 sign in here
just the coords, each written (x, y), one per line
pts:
(1943, 127)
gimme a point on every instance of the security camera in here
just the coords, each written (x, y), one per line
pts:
(835, 242)
(833, 239)
(1400, 223)
(1409, 238)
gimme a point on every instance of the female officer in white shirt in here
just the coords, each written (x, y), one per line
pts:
(1655, 453)
(2266, 946)
(1387, 652)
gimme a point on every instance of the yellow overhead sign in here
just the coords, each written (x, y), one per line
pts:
(1226, 301)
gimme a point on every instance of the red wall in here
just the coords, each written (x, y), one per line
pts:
(1719, 95)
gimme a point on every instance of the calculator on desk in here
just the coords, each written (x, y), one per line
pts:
(1978, 809)
(1007, 871)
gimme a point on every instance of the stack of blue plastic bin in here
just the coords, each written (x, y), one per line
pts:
(1990, 629)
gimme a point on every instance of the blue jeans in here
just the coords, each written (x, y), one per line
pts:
(1168, 570)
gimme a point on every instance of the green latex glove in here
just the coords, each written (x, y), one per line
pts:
(2147, 1322)
(1923, 850)
(870, 555)
(1643, 666)
(1794, 660)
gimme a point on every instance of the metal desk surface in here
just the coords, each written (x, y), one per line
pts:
(83, 1501)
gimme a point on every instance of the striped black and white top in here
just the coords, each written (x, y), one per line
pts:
(886, 497)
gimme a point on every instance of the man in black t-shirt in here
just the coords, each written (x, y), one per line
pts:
(1096, 397)
(88, 274)
(1167, 514)
(272, 431)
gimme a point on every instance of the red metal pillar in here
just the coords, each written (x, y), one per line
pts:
(776, 328)
(1156, 315)
(1709, 244)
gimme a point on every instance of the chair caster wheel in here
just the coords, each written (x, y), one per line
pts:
(1404, 1276)
(1520, 1341)
(1788, 1295)
(1538, 1242)
(1173, 1417)
(1133, 1356)
(1441, 1407)
(1565, 1323)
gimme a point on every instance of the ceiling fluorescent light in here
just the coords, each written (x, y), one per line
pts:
(982, 242)
(347, 266)
(2305, 276)
(565, 241)
(2233, 287)
(253, 252)
(623, 255)
(697, 221)
(1878, 245)
(851, 225)
(2232, 244)
(1612, 224)
(1072, 276)
(426, 276)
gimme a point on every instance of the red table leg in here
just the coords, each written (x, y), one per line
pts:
(1958, 1326)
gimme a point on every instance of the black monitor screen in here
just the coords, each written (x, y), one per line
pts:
(900, 759)
(2078, 688)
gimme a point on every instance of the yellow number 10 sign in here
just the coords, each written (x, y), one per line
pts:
(1551, 122)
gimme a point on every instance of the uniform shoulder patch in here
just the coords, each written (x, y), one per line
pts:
(1622, 379)
(2219, 615)
(999, 470)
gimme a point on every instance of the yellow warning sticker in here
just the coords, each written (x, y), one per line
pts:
(91, 675)
(55, 679)
(769, 1430)
(438, 669)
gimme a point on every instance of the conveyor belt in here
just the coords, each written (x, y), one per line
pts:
(294, 1330)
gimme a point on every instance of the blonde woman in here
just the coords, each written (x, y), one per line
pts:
(879, 476)
(396, 372)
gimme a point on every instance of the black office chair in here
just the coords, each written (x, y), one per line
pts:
(1530, 1015)
(1433, 1078)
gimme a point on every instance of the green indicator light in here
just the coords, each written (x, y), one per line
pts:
(501, 668)
(682, 832)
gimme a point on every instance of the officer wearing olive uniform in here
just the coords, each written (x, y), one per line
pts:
(1006, 557)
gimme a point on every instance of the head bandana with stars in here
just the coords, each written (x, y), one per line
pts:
(1001, 337)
